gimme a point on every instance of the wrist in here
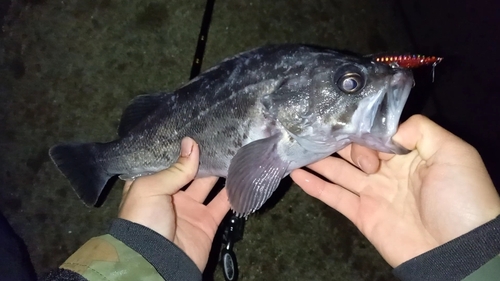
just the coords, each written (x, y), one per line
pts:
(457, 258)
(168, 259)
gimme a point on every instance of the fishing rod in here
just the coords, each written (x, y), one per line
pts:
(202, 39)
(233, 225)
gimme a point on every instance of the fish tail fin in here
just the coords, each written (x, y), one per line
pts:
(78, 162)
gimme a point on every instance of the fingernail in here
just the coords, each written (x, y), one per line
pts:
(186, 147)
(363, 163)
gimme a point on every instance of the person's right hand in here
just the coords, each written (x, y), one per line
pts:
(411, 203)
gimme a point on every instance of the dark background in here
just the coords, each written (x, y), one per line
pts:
(464, 98)
(68, 68)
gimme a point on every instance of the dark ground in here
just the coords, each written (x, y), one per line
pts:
(68, 68)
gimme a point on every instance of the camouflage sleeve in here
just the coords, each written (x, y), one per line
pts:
(130, 252)
(472, 256)
(489, 271)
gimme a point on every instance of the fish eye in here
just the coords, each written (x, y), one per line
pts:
(350, 82)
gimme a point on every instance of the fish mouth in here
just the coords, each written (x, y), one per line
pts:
(381, 119)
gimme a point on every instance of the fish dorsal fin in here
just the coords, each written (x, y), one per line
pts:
(254, 174)
(138, 109)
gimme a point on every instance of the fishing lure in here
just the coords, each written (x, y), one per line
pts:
(409, 61)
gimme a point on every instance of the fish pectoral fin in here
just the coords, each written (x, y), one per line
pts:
(138, 109)
(254, 174)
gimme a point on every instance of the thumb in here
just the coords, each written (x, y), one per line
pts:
(421, 133)
(169, 181)
(435, 144)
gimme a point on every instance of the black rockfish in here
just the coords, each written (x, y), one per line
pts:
(256, 116)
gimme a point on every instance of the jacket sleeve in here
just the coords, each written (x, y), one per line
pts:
(472, 256)
(129, 252)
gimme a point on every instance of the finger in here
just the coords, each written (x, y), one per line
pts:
(219, 206)
(340, 172)
(364, 158)
(420, 133)
(200, 188)
(346, 153)
(331, 194)
(182, 172)
(385, 156)
(126, 186)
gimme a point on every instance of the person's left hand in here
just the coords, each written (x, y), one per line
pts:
(157, 202)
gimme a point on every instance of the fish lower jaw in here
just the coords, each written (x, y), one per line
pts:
(375, 122)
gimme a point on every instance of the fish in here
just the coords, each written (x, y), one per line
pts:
(256, 116)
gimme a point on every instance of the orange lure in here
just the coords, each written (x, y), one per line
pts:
(409, 61)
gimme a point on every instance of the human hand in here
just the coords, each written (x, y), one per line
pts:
(157, 202)
(408, 204)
